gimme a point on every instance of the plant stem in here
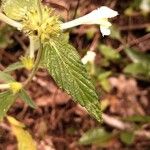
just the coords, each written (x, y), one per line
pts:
(40, 10)
(32, 47)
(39, 55)
(37, 62)
(4, 86)
(11, 22)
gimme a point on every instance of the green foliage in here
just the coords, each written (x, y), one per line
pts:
(138, 118)
(25, 97)
(63, 63)
(95, 136)
(141, 65)
(14, 66)
(109, 53)
(136, 69)
(60, 58)
(127, 137)
(6, 77)
(6, 100)
(115, 33)
(101, 137)
(137, 56)
(103, 80)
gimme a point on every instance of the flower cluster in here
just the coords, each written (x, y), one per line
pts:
(46, 28)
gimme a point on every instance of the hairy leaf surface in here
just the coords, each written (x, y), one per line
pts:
(6, 77)
(16, 9)
(25, 97)
(14, 66)
(63, 63)
(6, 100)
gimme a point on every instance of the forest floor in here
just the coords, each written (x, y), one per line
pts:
(58, 123)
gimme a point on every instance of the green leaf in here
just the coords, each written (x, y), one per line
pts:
(6, 77)
(24, 139)
(105, 84)
(141, 65)
(25, 97)
(137, 56)
(95, 136)
(138, 118)
(16, 9)
(63, 63)
(104, 75)
(109, 53)
(6, 100)
(103, 80)
(115, 33)
(127, 137)
(136, 69)
(14, 66)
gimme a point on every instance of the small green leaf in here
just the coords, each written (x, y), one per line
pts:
(24, 139)
(138, 118)
(115, 33)
(104, 75)
(127, 137)
(103, 80)
(63, 63)
(95, 136)
(109, 53)
(136, 69)
(6, 100)
(105, 84)
(137, 56)
(6, 77)
(14, 66)
(25, 97)
(16, 9)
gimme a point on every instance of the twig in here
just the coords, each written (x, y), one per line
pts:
(134, 42)
(10, 21)
(24, 47)
(134, 27)
(76, 9)
(115, 122)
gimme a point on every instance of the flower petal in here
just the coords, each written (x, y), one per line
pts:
(89, 57)
(105, 12)
(104, 30)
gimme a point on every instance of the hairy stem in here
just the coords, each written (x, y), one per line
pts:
(37, 62)
(40, 10)
(39, 55)
(11, 22)
(4, 86)
(32, 47)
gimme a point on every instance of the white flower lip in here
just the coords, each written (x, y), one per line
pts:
(105, 12)
(99, 16)
(89, 57)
